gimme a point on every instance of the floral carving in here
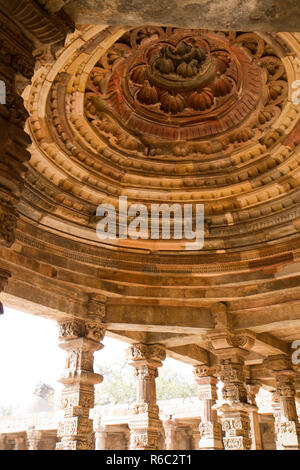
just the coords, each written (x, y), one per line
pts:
(177, 77)
(71, 329)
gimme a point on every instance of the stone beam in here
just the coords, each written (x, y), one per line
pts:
(260, 15)
(191, 354)
(181, 340)
(267, 319)
(37, 301)
(159, 319)
(267, 344)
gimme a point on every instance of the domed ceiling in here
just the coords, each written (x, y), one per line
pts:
(167, 115)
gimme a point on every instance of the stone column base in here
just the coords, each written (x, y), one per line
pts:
(288, 435)
(236, 424)
(210, 436)
(145, 433)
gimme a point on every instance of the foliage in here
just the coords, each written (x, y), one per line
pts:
(8, 410)
(119, 386)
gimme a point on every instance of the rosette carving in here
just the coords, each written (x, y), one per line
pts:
(174, 77)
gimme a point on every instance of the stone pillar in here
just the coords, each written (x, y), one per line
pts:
(209, 428)
(287, 426)
(234, 409)
(146, 427)
(5, 443)
(16, 66)
(252, 391)
(126, 439)
(196, 435)
(34, 439)
(80, 339)
(20, 443)
(276, 415)
(100, 435)
(170, 434)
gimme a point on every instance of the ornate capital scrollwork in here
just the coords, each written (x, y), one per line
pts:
(71, 329)
(144, 352)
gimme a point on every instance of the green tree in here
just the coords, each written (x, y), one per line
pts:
(119, 386)
(8, 410)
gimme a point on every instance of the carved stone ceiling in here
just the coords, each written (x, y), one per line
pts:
(253, 15)
(162, 114)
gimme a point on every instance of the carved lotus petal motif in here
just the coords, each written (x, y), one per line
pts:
(165, 65)
(201, 101)
(243, 135)
(148, 95)
(264, 116)
(275, 90)
(223, 63)
(138, 75)
(222, 87)
(187, 70)
(172, 104)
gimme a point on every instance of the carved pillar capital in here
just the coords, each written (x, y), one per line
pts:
(92, 330)
(204, 371)
(226, 344)
(147, 354)
(252, 388)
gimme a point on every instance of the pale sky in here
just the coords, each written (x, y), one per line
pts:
(29, 353)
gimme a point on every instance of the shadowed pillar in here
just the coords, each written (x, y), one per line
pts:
(287, 426)
(170, 433)
(80, 339)
(209, 428)
(100, 434)
(234, 409)
(252, 391)
(146, 427)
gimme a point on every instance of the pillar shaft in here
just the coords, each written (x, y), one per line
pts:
(235, 409)
(170, 434)
(232, 350)
(100, 440)
(100, 434)
(256, 442)
(146, 427)
(34, 438)
(20, 443)
(287, 426)
(210, 434)
(80, 339)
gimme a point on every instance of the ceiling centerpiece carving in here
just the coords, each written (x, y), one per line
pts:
(168, 115)
(178, 92)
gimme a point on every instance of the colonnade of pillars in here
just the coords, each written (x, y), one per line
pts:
(230, 423)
